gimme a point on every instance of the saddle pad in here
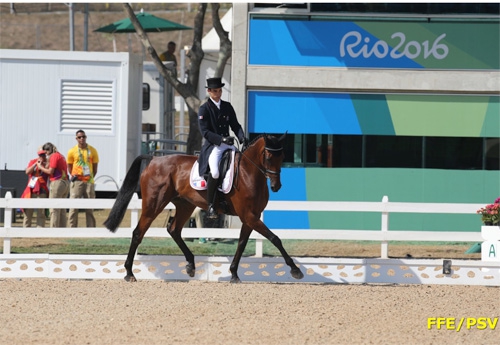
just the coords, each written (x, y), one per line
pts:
(198, 182)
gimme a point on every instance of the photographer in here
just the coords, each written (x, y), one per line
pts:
(36, 188)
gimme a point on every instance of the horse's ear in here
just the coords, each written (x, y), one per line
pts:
(282, 138)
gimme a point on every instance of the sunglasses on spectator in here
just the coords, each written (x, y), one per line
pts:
(81, 137)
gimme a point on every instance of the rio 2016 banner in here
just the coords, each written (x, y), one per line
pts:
(437, 44)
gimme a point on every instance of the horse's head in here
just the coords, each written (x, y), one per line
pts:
(272, 160)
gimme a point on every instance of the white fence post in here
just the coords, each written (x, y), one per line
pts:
(384, 246)
(7, 223)
(259, 251)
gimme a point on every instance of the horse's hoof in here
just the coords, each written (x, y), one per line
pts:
(190, 270)
(130, 279)
(297, 273)
(235, 280)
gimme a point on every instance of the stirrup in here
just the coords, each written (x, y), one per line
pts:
(212, 214)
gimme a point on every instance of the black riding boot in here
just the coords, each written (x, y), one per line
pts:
(211, 192)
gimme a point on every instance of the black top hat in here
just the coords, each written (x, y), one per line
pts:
(214, 83)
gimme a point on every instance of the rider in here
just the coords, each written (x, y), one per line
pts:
(215, 117)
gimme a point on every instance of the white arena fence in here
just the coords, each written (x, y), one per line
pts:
(381, 270)
(384, 235)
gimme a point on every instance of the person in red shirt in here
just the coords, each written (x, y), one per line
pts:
(57, 169)
(36, 188)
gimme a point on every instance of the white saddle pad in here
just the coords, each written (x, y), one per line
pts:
(198, 182)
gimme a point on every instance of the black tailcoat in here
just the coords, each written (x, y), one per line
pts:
(214, 125)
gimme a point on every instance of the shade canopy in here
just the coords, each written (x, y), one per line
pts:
(149, 22)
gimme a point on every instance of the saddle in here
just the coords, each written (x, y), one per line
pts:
(226, 168)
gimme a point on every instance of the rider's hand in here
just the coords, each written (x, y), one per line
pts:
(244, 142)
(228, 140)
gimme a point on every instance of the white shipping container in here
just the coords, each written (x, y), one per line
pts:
(46, 96)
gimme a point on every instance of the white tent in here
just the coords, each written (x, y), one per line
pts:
(211, 46)
(210, 43)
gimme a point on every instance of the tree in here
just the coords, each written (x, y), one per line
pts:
(188, 90)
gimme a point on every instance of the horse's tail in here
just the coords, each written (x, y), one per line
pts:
(125, 194)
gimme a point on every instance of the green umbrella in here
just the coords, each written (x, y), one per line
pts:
(149, 23)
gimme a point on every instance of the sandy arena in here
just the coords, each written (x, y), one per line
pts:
(44, 311)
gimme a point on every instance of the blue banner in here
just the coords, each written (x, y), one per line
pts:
(375, 44)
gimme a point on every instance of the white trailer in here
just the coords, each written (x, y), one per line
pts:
(46, 96)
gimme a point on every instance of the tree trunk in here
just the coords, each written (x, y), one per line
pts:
(189, 90)
(226, 46)
(195, 55)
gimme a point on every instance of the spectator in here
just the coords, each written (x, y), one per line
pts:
(37, 188)
(59, 185)
(82, 165)
(168, 55)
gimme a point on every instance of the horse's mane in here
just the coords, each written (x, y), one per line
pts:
(273, 141)
(253, 141)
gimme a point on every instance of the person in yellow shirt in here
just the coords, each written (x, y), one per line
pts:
(169, 55)
(82, 162)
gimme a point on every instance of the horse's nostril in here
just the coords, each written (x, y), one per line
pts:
(276, 187)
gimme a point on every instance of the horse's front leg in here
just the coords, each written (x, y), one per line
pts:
(262, 229)
(242, 243)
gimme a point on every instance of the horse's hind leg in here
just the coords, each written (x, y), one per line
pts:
(183, 211)
(137, 236)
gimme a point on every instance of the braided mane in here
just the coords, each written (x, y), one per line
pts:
(253, 141)
(272, 142)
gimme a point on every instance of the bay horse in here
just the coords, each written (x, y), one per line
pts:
(166, 179)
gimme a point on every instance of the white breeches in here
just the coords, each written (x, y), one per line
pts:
(215, 156)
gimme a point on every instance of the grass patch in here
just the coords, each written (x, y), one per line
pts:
(149, 246)
(227, 247)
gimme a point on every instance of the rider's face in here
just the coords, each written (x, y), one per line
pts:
(215, 94)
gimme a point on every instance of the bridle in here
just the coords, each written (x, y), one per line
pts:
(266, 172)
